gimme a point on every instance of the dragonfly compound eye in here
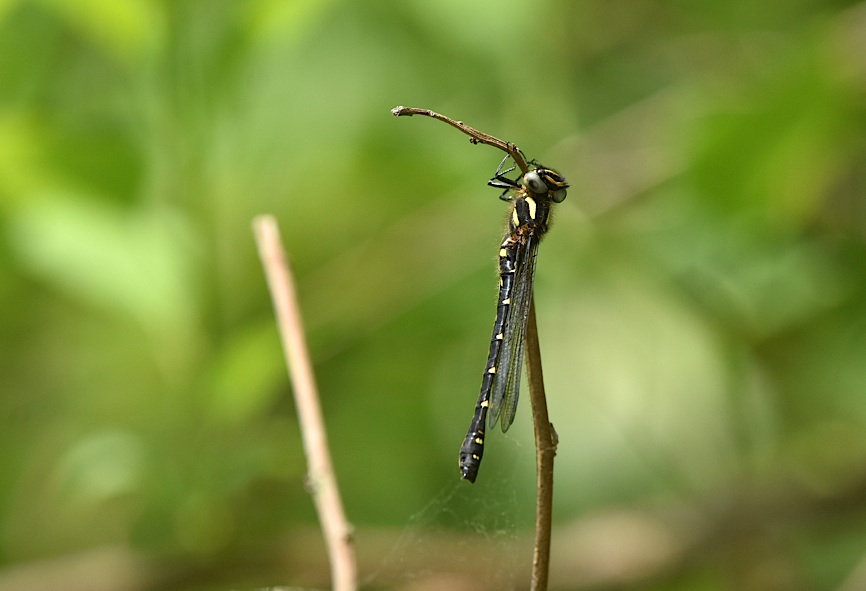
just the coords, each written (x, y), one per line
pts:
(559, 195)
(533, 182)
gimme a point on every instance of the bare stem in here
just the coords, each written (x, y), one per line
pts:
(545, 450)
(320, 474)
(476, 137)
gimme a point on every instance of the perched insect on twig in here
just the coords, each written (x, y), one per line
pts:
(531, 195)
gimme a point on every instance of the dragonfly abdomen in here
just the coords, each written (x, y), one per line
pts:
(473, 445)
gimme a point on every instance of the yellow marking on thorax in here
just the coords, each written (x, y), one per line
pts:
(532, 205)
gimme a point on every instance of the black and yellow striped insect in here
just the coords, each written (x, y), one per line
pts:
(531, 195)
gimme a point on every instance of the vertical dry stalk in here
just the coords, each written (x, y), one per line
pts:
(545, 450)
(320, 474)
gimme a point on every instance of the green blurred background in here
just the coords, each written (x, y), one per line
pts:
(701, 297)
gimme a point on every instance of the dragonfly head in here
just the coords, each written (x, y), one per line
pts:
(545, 181)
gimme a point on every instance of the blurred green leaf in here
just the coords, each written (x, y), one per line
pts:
(126, 30)
(246, 374)
(135, 262)
(101, 467)
(280, 20)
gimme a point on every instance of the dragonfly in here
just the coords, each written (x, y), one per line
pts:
(532, 195)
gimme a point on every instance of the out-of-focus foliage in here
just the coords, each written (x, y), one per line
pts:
(701, 298)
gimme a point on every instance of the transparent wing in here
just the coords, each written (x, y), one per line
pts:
(506, 384)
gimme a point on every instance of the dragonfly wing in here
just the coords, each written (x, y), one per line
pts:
(506, 384)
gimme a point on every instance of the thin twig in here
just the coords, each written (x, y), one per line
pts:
(321, 480)
(545, 450)
(476, 137)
